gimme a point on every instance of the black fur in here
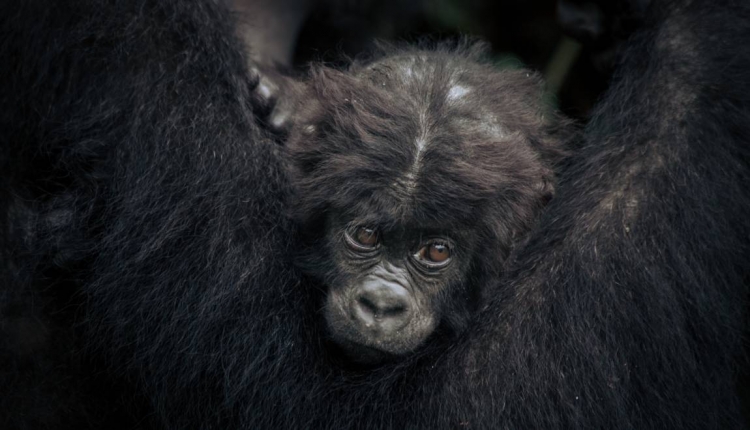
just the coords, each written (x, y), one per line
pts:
(146, 275)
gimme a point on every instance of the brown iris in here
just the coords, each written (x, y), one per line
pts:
(434, 254)
(364, 237)
(438, 253)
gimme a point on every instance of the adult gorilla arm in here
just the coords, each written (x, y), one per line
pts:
(144, 210)
(626, 308)
(135, 189)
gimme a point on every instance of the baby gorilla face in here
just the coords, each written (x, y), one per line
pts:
(413, 177)
(388, 287)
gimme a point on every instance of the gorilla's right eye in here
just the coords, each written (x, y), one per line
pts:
(363, 238)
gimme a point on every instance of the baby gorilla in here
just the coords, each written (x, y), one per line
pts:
(413, 176)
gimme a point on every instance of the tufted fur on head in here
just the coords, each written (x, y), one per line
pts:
(432, 135)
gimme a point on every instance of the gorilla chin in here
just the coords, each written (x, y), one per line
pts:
(378, 321)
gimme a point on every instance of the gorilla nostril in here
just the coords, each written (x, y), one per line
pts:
(383, 306)
(395, 310)
(368, 305)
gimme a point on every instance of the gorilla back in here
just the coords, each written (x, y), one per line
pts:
(146, 279)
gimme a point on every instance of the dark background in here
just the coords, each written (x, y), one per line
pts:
(521, 33)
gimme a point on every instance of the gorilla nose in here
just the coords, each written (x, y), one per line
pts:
(382, 306)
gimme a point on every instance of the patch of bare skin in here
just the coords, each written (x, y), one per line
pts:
(457, 92)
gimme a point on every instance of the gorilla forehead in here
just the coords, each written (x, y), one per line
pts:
(443, 191)
(428, 168)
(426, 135)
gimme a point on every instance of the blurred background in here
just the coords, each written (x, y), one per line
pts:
(573, 43)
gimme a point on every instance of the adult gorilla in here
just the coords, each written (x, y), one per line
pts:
(146, 272)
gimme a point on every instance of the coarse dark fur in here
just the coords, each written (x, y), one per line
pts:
(147, 281)
(421, 144)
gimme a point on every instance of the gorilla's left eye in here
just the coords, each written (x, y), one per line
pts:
(434, 254)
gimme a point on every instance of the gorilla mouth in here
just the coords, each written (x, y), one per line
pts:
(360, 347)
